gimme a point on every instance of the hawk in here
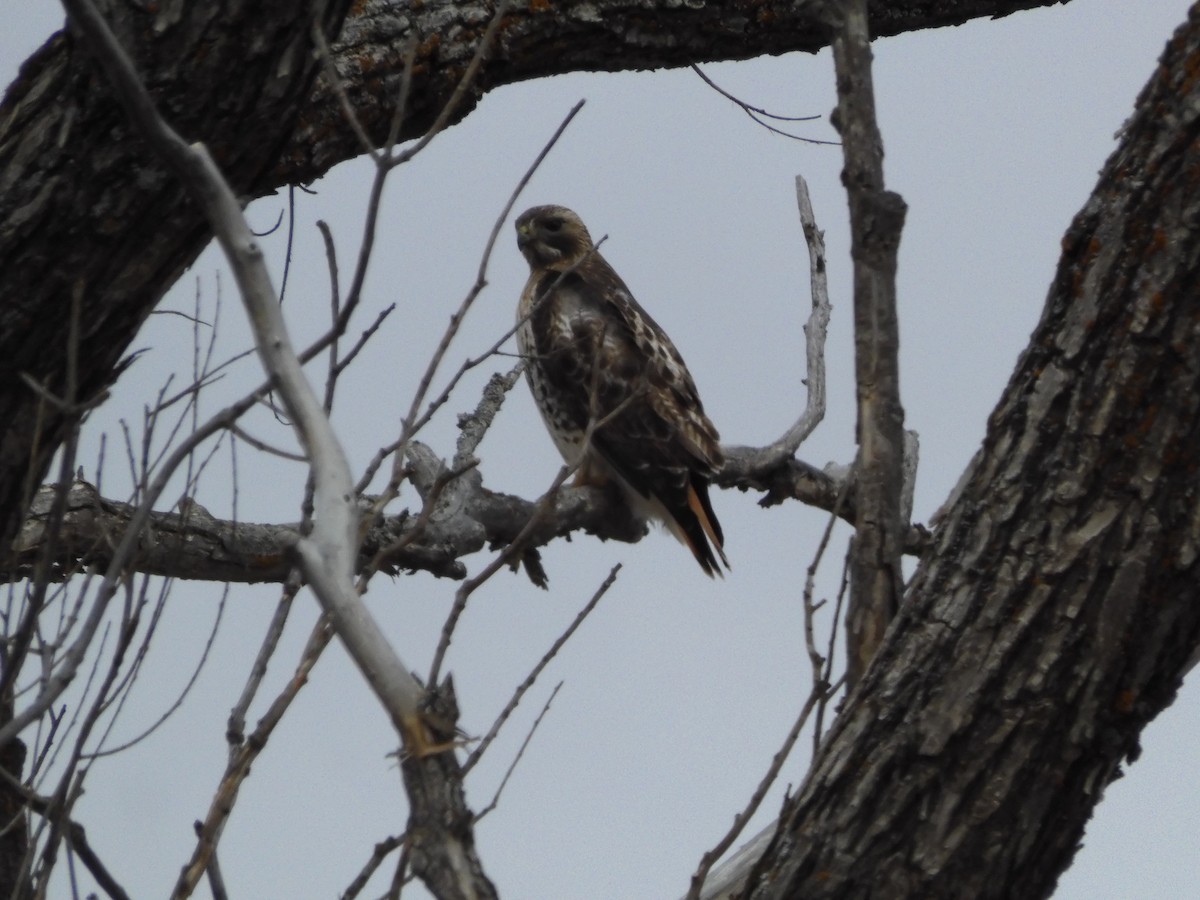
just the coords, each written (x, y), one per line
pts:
(596, 361)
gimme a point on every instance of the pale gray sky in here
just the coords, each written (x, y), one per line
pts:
(678, 691)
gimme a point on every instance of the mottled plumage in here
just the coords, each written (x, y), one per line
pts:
(595, 356)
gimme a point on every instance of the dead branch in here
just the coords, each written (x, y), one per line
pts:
(512, 767)
(529, 681)
(876, 220)
(327, 555)
(775, 455)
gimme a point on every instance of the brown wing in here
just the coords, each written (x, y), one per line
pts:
(605, 359)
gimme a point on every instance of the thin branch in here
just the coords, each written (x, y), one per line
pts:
(818, 663)
(339, 88)
(183, 693)
(381, 851)
(532, 677)
(518, 543)
(240, 761)
(265, 447)
(520, 753)
(371, 219)
(755, 112)
(739, 821)
(448, 109)
(235, 729)
(216, 881)
(366, 335)
(78, 842)
(815, 331)
(835, 686)
(501, 559)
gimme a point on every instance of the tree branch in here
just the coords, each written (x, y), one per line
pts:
(1057, 610)
(121, 225)
(876, 220)
(773, 456)
(199, 547)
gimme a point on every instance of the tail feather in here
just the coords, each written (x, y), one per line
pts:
(701, 531)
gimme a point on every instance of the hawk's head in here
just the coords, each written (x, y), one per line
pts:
(552, 237)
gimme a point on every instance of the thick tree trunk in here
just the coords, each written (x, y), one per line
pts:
(1055, 612)
(88, 220)
(88, 215)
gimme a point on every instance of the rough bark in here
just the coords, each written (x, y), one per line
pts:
(1055, 613)
(87, 212)
(441, 840)
(87, 217)
(89, 220)
(83, 207)
(194, 545)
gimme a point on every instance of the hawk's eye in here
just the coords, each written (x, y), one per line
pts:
(553, 224)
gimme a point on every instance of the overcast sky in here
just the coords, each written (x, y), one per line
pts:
(679, 690)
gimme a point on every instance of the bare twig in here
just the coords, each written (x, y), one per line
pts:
(757, 114)
(76, 838)
(463, 594)
(740, 820)
(179, 699)
(819, 663)
(834, 686)
(241, 759)
(532, 677)
(460, 90)
(216, 881)
(235, 730)
(520, 753)
(366, 335)
(339, 88)
(264, 446)
(817, 698)
(518, 543)
(815, 331)
(381, 851)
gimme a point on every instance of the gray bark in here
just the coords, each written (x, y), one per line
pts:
(1054, 614)
(83, 205)
(876, 221)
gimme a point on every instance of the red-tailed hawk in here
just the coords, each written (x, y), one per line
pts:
(595, 356)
